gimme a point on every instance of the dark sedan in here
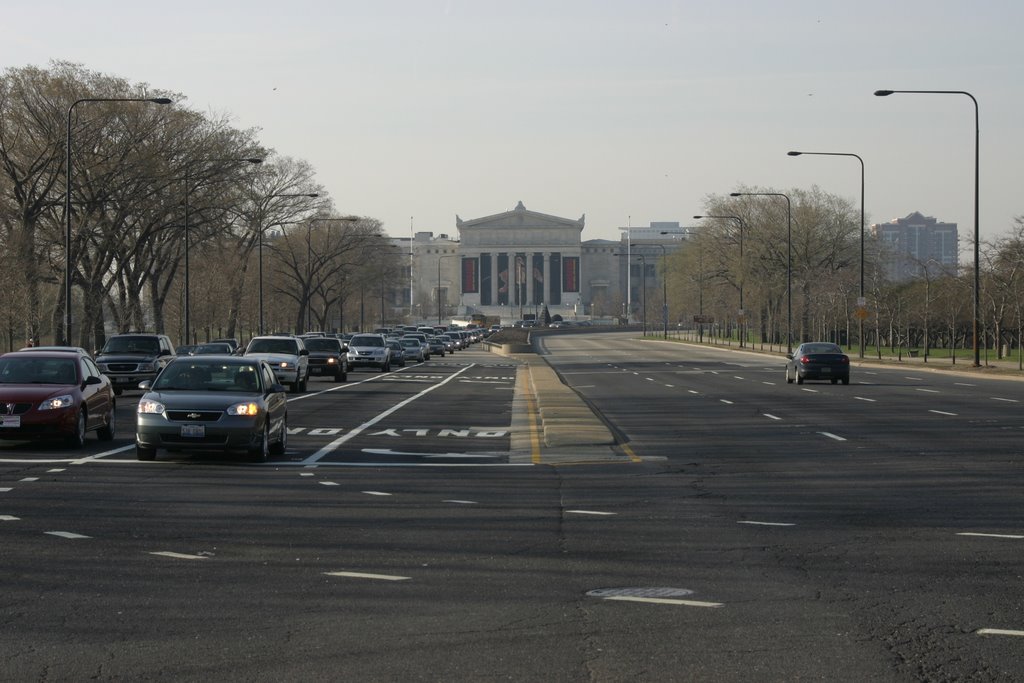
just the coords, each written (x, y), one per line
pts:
(818, 360)
(221, 403)
(54, 395)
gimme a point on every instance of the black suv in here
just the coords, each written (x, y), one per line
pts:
(328, 356)
(128, 359)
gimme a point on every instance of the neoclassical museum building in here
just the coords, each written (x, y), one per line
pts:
(513, 264)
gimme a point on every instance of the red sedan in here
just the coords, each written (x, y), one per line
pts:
(54, 395)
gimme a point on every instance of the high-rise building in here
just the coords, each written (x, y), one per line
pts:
(916, 244)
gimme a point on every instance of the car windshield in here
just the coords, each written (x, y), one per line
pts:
(141, 345)
(38, 371)
(192, 375)
(286, 346)
(409, 342)
(323, 344)
(210, 348)
(821, 348)
(366, 341)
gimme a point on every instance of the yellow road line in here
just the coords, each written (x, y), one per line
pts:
(629, 451)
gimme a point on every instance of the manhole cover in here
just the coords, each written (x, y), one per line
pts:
(639, 592)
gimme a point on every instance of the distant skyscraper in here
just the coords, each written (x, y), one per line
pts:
(910, 246)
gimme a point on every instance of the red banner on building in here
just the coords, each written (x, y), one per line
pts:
(470, 275)
(570, 273)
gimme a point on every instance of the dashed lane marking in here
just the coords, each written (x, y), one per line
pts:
(942, 412)
(771, 417)
(981, 535)
(999, 632)
(362, 575)
(663, 601)
(747, 521)
(9, 518)
(65, 534)
(179, 556)
(591, 512)
(832, 436)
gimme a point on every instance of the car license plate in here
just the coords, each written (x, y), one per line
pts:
(826, 370)
(194, 431)
(12, 421)
(124, 380)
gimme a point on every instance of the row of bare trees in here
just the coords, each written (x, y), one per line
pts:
(934, 310)
(135, 169)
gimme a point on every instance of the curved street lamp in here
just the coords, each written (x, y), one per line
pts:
(67, 198)
(789, 258)
(861, 300)
(976, 323)
(743, 270)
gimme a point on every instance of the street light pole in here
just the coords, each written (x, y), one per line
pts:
(188, 171)
(976, 323)
(664, 289)
(789, 258)
(643, 267)
(67, 198)
(861, 300)
(743, 273)
(439, 258)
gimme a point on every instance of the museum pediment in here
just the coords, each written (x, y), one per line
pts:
(519, 218)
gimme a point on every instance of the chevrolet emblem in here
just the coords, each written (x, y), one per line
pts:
(193, 416)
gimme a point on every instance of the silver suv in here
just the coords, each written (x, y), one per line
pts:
(286, 355)
(369, 350)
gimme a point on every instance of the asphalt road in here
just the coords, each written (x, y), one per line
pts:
(763, 531)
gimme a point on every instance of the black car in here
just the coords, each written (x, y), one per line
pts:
(328, 357)
(128, 359)
(818, 360)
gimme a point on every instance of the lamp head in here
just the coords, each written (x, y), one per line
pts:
(254, 160)
(160, 100)
(883, 93)
(793, 154)
(736, 194)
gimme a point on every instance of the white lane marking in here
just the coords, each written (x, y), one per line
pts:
(65, 534)
(591, 512)
(670, 386)
(928, 391)
(999, 632)
(869, 400)
(334, 445)
(90, 458)
(376, 493)
(649, 379)
(963, 384)
(460, 502)
(771, 417)
(942, 412)
(771, 384)
(726, 401)
(1007, 400)
(328, 483)
(338, 387)
(738, 377)
(746, 521)
(179, 556)
(6, 489)
(55, 470)
(361, 575)
(306, 474)
(694, 392)
(810, 391)
(663, 601)
(832, 436)
(9, 518)
(29, 479)
(1010, 536)
(388, 451)
(916, 379)
(870, 373)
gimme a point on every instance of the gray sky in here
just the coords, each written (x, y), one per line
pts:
(631, 110)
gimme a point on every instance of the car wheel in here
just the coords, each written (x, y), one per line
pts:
(118, 392)
(799, 378)
(282, 439)
(294, 386)
(77, 440)
(789, 380)
(340, 376)
(846, 380)
(304, 383)
(261, 451)
(144, 454)
(106, 432)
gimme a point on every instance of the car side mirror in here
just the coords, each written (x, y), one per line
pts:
(93, 379)
(277, 389)
(145, 385)
(304, 352)
(789, 356)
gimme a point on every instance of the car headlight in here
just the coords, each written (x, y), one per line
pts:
(147, 367)
(244, 409)
(332, 361)
(103, 367)
(150, 407)
(57, 402)
(285, 365)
